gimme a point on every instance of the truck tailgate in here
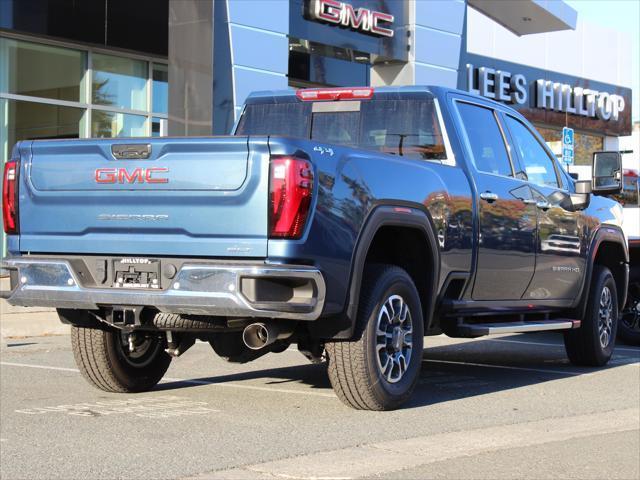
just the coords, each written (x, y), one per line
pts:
(202, 197)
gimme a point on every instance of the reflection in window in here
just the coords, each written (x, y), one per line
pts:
(119, 82)
(630, 195)
(288, 119)
(32, 121)
(339, 128)
(40, 70)
(113, 124)
(537, 163)
(485, 139)
(408, 128)
(160, 88)
(158, 127)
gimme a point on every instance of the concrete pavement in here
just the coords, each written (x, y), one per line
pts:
(504, 407)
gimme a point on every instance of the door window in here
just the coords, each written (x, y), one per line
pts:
(487, 145)
(536, 162)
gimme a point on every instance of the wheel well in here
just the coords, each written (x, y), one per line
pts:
(611, 255)
(408, 248)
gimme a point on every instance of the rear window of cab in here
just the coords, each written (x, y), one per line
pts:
(407, 128)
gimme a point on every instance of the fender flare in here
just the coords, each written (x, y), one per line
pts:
(606, 233)
(397, 216)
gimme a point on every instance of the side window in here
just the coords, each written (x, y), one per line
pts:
(535, 160)
(487, 145)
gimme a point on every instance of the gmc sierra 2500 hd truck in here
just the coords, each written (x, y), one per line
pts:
(351, 222)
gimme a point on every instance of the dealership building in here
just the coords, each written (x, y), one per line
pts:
(129, 68)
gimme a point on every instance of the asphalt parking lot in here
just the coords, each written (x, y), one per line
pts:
(505, 407)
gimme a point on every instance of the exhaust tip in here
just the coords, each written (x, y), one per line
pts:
(257, 336)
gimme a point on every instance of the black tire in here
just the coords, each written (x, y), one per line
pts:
(587, 345)
(355, 369)
(105, 362)
(629, 323)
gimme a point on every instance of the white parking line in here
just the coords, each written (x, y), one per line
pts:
(44, 367)
(508, 367)
(560, 345)
(192, 382)
(249, 387)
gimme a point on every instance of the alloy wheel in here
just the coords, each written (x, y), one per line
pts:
(605, 317)
(393, 338)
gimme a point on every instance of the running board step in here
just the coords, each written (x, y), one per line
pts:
(479, 329)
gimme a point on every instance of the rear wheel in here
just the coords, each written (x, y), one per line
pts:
(111, 361)
(379, 368)
(592, 344)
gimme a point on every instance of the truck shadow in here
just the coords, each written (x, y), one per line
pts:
(449, 372)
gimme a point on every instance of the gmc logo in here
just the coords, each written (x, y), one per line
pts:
(344, 14)
(139, 175)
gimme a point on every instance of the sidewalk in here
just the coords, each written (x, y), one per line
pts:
(27, 322)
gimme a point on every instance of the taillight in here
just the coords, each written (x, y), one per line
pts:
(10, 197)
(290, 190)
(328, 94)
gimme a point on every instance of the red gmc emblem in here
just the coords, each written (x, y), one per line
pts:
(138, 175)
(341, 13)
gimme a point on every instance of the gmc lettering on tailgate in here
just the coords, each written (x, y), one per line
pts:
(138, 175)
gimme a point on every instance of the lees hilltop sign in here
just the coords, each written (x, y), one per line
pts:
(554, 96)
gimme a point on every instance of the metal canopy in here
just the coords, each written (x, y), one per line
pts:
(524, 17)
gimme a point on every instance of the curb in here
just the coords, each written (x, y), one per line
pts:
(28, 322)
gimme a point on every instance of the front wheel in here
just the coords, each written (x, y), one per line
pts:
(112, 362)
(592, 344)
(380, 367)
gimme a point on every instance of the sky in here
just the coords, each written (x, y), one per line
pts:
(621, 15)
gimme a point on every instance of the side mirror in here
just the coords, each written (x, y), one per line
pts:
(582, 197)
(583, 186)
(607, 173)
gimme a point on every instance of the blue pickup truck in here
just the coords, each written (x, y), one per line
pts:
(349, 222)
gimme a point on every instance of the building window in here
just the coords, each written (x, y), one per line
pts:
(39, 120)
(160, 88)
(584, 144)
(119, 82)
(116, 124)
(56, 90)
(314, 64)
(36, 70)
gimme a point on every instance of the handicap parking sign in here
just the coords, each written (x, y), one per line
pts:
(567, 145)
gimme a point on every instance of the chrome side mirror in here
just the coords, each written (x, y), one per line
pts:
(583, 186)
(582, 196)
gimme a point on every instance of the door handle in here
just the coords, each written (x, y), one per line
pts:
(542, 205)
(529, 201)
(489, 196)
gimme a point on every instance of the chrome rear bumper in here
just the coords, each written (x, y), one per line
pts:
(197, 289)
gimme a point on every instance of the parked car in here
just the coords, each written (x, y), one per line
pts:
(629, 198)
(351, 222)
